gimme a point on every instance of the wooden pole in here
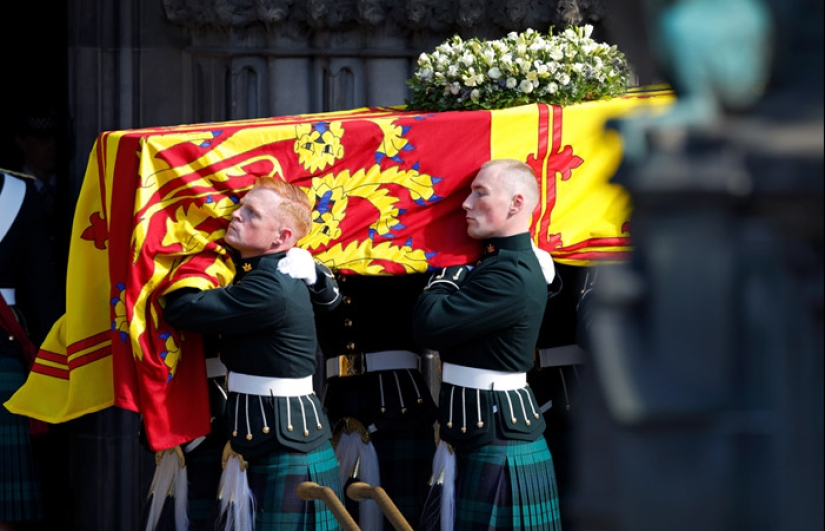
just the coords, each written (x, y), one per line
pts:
(309, 490)
(359, 491)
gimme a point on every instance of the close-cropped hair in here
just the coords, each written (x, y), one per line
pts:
(294, 203)
(519, 177)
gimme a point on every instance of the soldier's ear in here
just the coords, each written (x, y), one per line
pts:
(284, 237)
(516, 204)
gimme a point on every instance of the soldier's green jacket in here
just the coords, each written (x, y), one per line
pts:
(266, 327)
(488, 317)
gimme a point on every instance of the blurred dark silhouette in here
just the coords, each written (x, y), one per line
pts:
(703, 405)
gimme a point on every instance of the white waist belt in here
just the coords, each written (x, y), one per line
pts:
(482, 378)
(215, 368)
(384, 360)
(8, 294)
(268, 386)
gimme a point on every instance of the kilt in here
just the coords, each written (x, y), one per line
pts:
(204, 473)
(405, 458)
(20, 492)
(507, 485)
(273, 478)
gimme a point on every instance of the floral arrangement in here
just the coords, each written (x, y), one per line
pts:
(519, 69)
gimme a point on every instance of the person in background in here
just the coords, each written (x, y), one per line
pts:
(37, 138)
(28, 309)
(484, 321)
(39, 150)
(376, 395)
(276, 426)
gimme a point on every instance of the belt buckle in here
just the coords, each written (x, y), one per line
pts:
(350, 365)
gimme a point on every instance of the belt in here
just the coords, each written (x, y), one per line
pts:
(360, 363)
(8, 294)
(268, 386)
(215, 368)
(475, 378)
(559, 356)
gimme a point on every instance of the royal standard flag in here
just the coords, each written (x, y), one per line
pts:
(386, 185)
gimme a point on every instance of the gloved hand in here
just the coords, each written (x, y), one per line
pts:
(546, 263)
(453, 275)
(298, 263)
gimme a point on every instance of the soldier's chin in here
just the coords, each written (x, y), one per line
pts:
(230, 239)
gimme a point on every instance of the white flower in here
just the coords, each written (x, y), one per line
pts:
(520, 68)
(526, 86)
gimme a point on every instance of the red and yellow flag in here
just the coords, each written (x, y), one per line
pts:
(387, 187)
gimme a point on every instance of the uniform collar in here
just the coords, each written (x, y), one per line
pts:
(517, 242)
(245, 265)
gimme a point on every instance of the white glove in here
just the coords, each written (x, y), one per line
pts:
(298, 263)
(546, 263)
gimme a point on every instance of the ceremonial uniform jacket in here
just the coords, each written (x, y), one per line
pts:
(375, 315)
(26, 267)
(488, 318)
(266, 328)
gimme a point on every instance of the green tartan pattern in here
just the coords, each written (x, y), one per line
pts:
(273, 479)
(507, 486)
(405, 458)
(204, 474)
(20, 494)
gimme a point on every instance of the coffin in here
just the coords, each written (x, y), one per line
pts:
(387, 185)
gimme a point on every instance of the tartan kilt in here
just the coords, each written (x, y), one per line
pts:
(204, 473)
(508, 485)
(20, 492)
(273, 479)
(405, 458)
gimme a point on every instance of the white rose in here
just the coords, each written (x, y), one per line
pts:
(526, 86)
(511, 82)
(494, 73)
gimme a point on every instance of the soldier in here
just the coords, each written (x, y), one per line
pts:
(28, 309)
(375, 393)
(484, 321)
(277, 429)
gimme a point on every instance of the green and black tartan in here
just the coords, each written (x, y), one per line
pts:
(20, 494)
(405, 459)
(203, 466)
(273, 478)
(507, 486)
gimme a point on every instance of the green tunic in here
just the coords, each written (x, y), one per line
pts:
(487, 318)
(266, 327)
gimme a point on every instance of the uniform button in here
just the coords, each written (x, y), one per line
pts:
(347, 322)
(347, 299)
(350, 346)
(343, 278)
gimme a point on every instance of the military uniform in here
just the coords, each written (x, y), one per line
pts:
(274, 419)
(28, 287)
(484, 321)
(374, 382)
